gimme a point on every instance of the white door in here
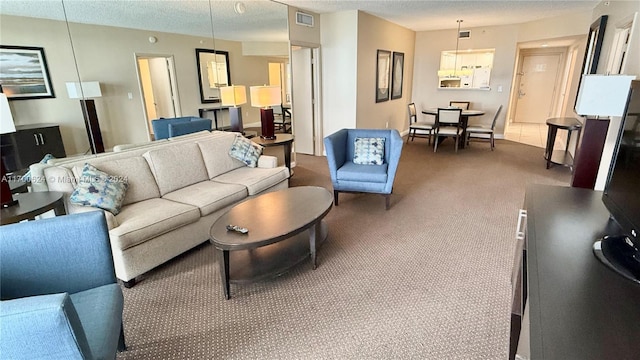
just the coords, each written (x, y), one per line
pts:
(536, 87)
(303, 119)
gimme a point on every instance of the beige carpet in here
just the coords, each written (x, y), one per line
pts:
(427, 279)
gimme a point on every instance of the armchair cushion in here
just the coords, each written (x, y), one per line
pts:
(99, 189)
(369, 151)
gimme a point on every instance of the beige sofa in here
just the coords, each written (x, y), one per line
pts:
(177, 189)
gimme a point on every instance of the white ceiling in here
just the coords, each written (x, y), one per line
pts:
(266, 20)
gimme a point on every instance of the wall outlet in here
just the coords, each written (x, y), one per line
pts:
(499, 88)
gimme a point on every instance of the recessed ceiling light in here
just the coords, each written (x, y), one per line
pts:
(239, 7)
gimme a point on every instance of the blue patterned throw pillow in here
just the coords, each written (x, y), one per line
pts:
(245, 150)
(369, 151)
(99, 189)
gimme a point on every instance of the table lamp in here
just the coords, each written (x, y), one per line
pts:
(233, 96)
(85, 91)
(599, 97)
(264, 97)
(6, 126)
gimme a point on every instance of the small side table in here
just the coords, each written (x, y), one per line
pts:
(33, 204)
(281, 139)
(560, 158)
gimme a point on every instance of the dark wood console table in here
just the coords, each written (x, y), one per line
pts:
(578, 308)
(560, 158)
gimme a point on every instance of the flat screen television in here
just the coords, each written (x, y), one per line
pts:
(622, 195)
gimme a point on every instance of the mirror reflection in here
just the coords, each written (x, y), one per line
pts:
(213, 73)
(142, 56)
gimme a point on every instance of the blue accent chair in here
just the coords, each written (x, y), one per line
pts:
(346, 176)
(60, 299)
(170, 127)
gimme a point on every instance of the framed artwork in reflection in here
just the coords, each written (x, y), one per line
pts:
(24, 73)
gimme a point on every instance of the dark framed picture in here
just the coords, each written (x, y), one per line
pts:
(383, 68)
(397, 73)
(24, 73)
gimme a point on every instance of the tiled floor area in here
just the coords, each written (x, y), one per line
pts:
(532, 134)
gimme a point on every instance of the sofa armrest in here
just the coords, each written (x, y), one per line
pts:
(40, 327)
(267, 162)
(38, 179)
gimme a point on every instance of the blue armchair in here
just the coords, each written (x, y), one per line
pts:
(347, 176)
(171, 127)
(60, 299)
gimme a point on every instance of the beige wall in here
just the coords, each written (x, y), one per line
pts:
(429, 45)
(303, 35)
(107, 55)
(375, 33)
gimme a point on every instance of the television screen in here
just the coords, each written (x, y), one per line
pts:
(622, 194)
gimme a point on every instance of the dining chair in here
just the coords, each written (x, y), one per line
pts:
(282, 118)
(415, 125)
(464, 105)
(484, 130)
(448, 124)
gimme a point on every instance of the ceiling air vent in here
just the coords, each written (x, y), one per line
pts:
(464, 34)
(304, 19)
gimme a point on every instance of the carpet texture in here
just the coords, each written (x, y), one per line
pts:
(427, 279)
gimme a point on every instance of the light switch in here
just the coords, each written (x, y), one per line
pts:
(130, 96)
(499, 88)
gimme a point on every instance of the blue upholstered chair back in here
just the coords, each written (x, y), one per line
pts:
(161, 126)
(189, 127)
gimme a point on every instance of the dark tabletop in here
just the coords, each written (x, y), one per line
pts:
(568, 123)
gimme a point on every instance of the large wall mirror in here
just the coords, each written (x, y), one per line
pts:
(213, 73)
(143, 57)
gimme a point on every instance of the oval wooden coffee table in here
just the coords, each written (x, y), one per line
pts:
(276, 240)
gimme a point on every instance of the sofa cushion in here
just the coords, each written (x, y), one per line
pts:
(364, 173)
(215, 152)
(99, 189)
(100, 313)
(245, 150)
(147, 219)
(142, 184)
(175, 167)
(368, 151)
(208, 196)
(255, 179)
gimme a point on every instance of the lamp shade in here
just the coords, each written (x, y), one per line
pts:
(6, 119)
(233, 95)
(265, 96)
(603, 95)
(84, 90)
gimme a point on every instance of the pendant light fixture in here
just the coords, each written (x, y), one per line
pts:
(455, 60)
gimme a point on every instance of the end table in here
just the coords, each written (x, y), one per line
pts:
(33, 204)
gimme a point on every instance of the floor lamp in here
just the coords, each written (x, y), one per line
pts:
(599, 95)
(264, 97)
(233, 96)
(6, 126)
(85, 91)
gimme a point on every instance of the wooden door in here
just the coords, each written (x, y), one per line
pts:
(536, 87)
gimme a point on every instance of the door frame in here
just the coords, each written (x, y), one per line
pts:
(174, 86)
(318, 135)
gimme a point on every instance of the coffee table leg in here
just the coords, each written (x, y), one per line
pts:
(314, 231)
(223, 260)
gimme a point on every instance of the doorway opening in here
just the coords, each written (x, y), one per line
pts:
(305, 92)
(545, 77)
(157, 79)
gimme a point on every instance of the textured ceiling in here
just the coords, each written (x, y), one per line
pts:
(423, 15)
(265, 20)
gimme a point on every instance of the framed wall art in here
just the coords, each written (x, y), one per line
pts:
(383, 67)
(24, 73)
(397, 74)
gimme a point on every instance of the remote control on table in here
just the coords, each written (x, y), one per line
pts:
(237, 229)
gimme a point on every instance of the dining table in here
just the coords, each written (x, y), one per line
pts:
(464, 120)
